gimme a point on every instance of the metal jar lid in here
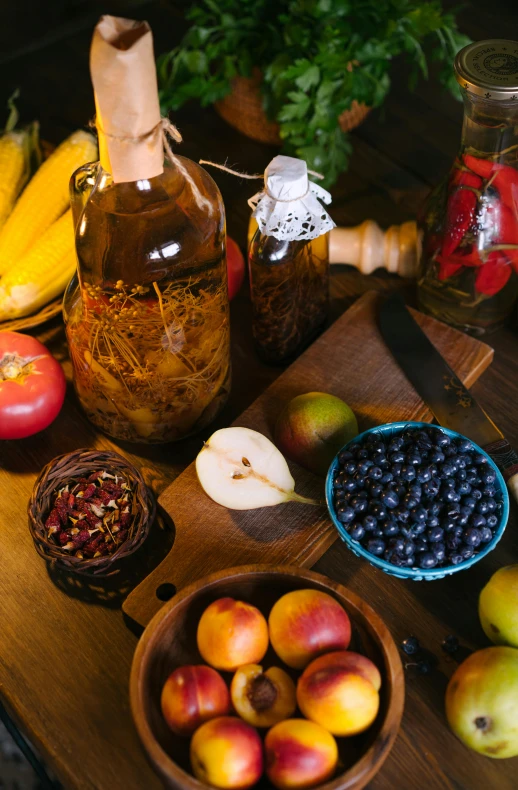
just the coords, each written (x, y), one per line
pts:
(489, 69)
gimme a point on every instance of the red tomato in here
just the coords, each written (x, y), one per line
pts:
(32, 386)
(235, 268)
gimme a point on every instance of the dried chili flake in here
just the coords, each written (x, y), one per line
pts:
(91, 517)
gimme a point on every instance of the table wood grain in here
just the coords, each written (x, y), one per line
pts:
(65, 650)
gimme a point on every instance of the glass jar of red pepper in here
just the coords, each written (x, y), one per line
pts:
(469, 263)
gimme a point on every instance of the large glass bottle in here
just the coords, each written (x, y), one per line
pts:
(469, 262)
(147, 317)
(288, 260)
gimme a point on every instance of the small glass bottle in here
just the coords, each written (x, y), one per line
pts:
(288, 261)
(469, 265)
(147, 317)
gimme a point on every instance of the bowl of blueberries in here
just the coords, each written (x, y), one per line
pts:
(417, 500)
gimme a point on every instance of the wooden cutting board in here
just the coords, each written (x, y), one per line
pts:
(351, 361)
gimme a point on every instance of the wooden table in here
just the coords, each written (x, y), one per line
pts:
(65, 652)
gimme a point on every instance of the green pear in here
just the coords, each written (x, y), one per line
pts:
(482, 702)
(312, 428)
(498, 607)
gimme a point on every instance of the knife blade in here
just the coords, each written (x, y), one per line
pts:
(450, 402)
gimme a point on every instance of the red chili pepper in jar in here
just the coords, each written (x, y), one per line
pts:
(460, 213)
(482, 167)
(493, 275)
(506, 181)
(447, 267)
(463, 178)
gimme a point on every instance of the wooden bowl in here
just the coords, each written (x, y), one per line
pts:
(170, 641)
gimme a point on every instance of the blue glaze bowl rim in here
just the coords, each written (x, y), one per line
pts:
(393, 428)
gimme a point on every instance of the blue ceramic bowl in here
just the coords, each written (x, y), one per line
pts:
(417, 574)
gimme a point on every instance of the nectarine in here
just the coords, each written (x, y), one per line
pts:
(353, 662)
(192, 695)
(299, 754)
(232, 633)
(337, 697)
(263, 698)
(227, 753)
(304, 624)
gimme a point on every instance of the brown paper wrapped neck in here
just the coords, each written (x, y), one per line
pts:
(123, 72)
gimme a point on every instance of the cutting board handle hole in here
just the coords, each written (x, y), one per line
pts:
(164, 592)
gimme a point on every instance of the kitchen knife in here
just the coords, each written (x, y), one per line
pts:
(446, 396)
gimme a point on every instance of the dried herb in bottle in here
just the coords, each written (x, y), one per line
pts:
(288, 261)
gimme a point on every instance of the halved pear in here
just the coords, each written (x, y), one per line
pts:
(241, 469)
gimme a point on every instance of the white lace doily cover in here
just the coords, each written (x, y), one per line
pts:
(288, 207)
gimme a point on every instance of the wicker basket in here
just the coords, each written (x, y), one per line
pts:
(243, 109)
(47, 312)
(82, 463)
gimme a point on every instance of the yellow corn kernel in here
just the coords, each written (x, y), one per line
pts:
(13, 171)
(42, 273)
(44, 199)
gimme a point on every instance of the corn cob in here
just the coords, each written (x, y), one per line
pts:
(44, 199)
(19, 152)
(42, 273)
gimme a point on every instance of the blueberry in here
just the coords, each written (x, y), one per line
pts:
(467, 552)
(378, 447)
(439, 551)
(377, 533)
(431, 488)
(387, 477)
(445, 470)
(363, 454)
(410, 646)
(375, 473)
(471, 476)
(435, 509)
(421, 545)
(451, 495)
(410, 502)
(400, 489)
(396, 470)
(349, 484)
(460, 475)
(436, 457)
(415, 490)
(442, 440)
(485, 535)
(408, 548)
(378, 510)
(489, 491)
(453, 542)
(357, 532)
(427, 560)
(482, 507)
(455, 558)
(464, 446)
(424, 474)
(397, 545)
(479, 459)
(390, 529)
(413, 458)
(345, 456)
(376, 546)
(488, 476)
(432, 521)
(477, 520)
(463, 520)
(491, 520)
(463, 488)
(417, 528)
(362, 494)
(435, 534)
(450, 644)
(469, 502)
(472, 537)
(401, 513)
(350, 467)
(364, 466)
(452, 512)
(407, 472)
(358, 504)
(379, 459)
(476, 493)
(345, 514)
(424, 667)
(418, 514)
(492, 505)
(390, 499)
(448, 484)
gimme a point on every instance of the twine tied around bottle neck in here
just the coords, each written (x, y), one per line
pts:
(239, 174)
(167, 130)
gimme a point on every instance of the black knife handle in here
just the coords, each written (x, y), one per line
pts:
(507, 461)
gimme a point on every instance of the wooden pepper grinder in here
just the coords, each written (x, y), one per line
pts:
(368, 247)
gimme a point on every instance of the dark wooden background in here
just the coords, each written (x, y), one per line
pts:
(65, 651)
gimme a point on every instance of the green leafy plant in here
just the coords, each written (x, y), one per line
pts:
(315, 57)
